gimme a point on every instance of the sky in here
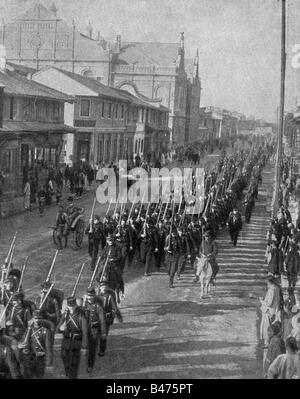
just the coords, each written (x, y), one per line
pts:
(238, 41)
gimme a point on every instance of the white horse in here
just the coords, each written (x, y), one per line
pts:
(204, 271)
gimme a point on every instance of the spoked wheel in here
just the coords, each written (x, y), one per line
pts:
(79, 233)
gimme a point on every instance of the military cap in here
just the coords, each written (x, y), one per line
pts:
(97, 217)
(37, 314)
(103, 283)
(91, 291)
(14, 273)
(71, 301)
(70, 199)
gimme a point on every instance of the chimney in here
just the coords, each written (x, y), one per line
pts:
(118, 43)
(90, 30)
(1, 105)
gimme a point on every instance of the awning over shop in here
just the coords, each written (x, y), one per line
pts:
(12, 126)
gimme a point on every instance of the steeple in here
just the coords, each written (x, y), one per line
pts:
(196, 66)
(90, 30)
(54, 10)
(181, 46)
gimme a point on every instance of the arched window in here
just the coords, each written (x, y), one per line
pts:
(88, 73)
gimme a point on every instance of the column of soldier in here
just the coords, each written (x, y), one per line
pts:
(162, 233)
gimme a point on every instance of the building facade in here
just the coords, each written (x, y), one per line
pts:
(110, 124)
(31, 133)
(40, 38)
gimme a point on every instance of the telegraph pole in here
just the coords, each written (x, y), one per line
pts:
(281, 107)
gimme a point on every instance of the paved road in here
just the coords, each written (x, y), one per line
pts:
(172, 333)
(167, 333)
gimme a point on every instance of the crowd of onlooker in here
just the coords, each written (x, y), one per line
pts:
(279, 330)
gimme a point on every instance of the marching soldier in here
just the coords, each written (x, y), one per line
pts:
(9, 365)
(124, 241)
(110, 307)
(96, 325)
(173, 248)
(161, 238)
(74, 327)
(185, 250)
(18, 317)
(234, 224)
(96, 239)
(149, 244)
(51, 309)
(110, 266)
(36, 348)
(7, 290)
(249, 204)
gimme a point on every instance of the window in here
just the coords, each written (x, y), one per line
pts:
(116, 111)
(103, 110)
(142, 146)
(122, 112)
(12, 109)
(56, 112)
(85, 107)
(109, 110)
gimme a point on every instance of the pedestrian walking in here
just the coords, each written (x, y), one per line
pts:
(26, 193)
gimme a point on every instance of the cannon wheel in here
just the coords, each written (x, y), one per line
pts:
(79, 233)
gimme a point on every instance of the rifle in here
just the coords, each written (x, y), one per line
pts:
(131, 209)
(45, 297)
(22, 273)
(5, 309)
(92, 216)
(165, 211)
(77, 280)
(114, 214)
(51, 267)
(94, 272)
(171, 224)
(108, 207)
(106, 262)
(140, 210)
(10, 260)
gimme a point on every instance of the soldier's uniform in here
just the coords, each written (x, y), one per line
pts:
(36, 350)
(18, 317)
(51, 309)
(96, 240)
(173, 248)
(96, 325)
(185, 251)
(124, 241)
(74, 327)
(9, 366)
(234, 225)
(161, 238)
(149, 245)
(110, 307)
(111, 256)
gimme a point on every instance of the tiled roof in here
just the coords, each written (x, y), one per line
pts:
(22, 69)
(137, 101)
(163, 54)
(94, 85)
(16, 84)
